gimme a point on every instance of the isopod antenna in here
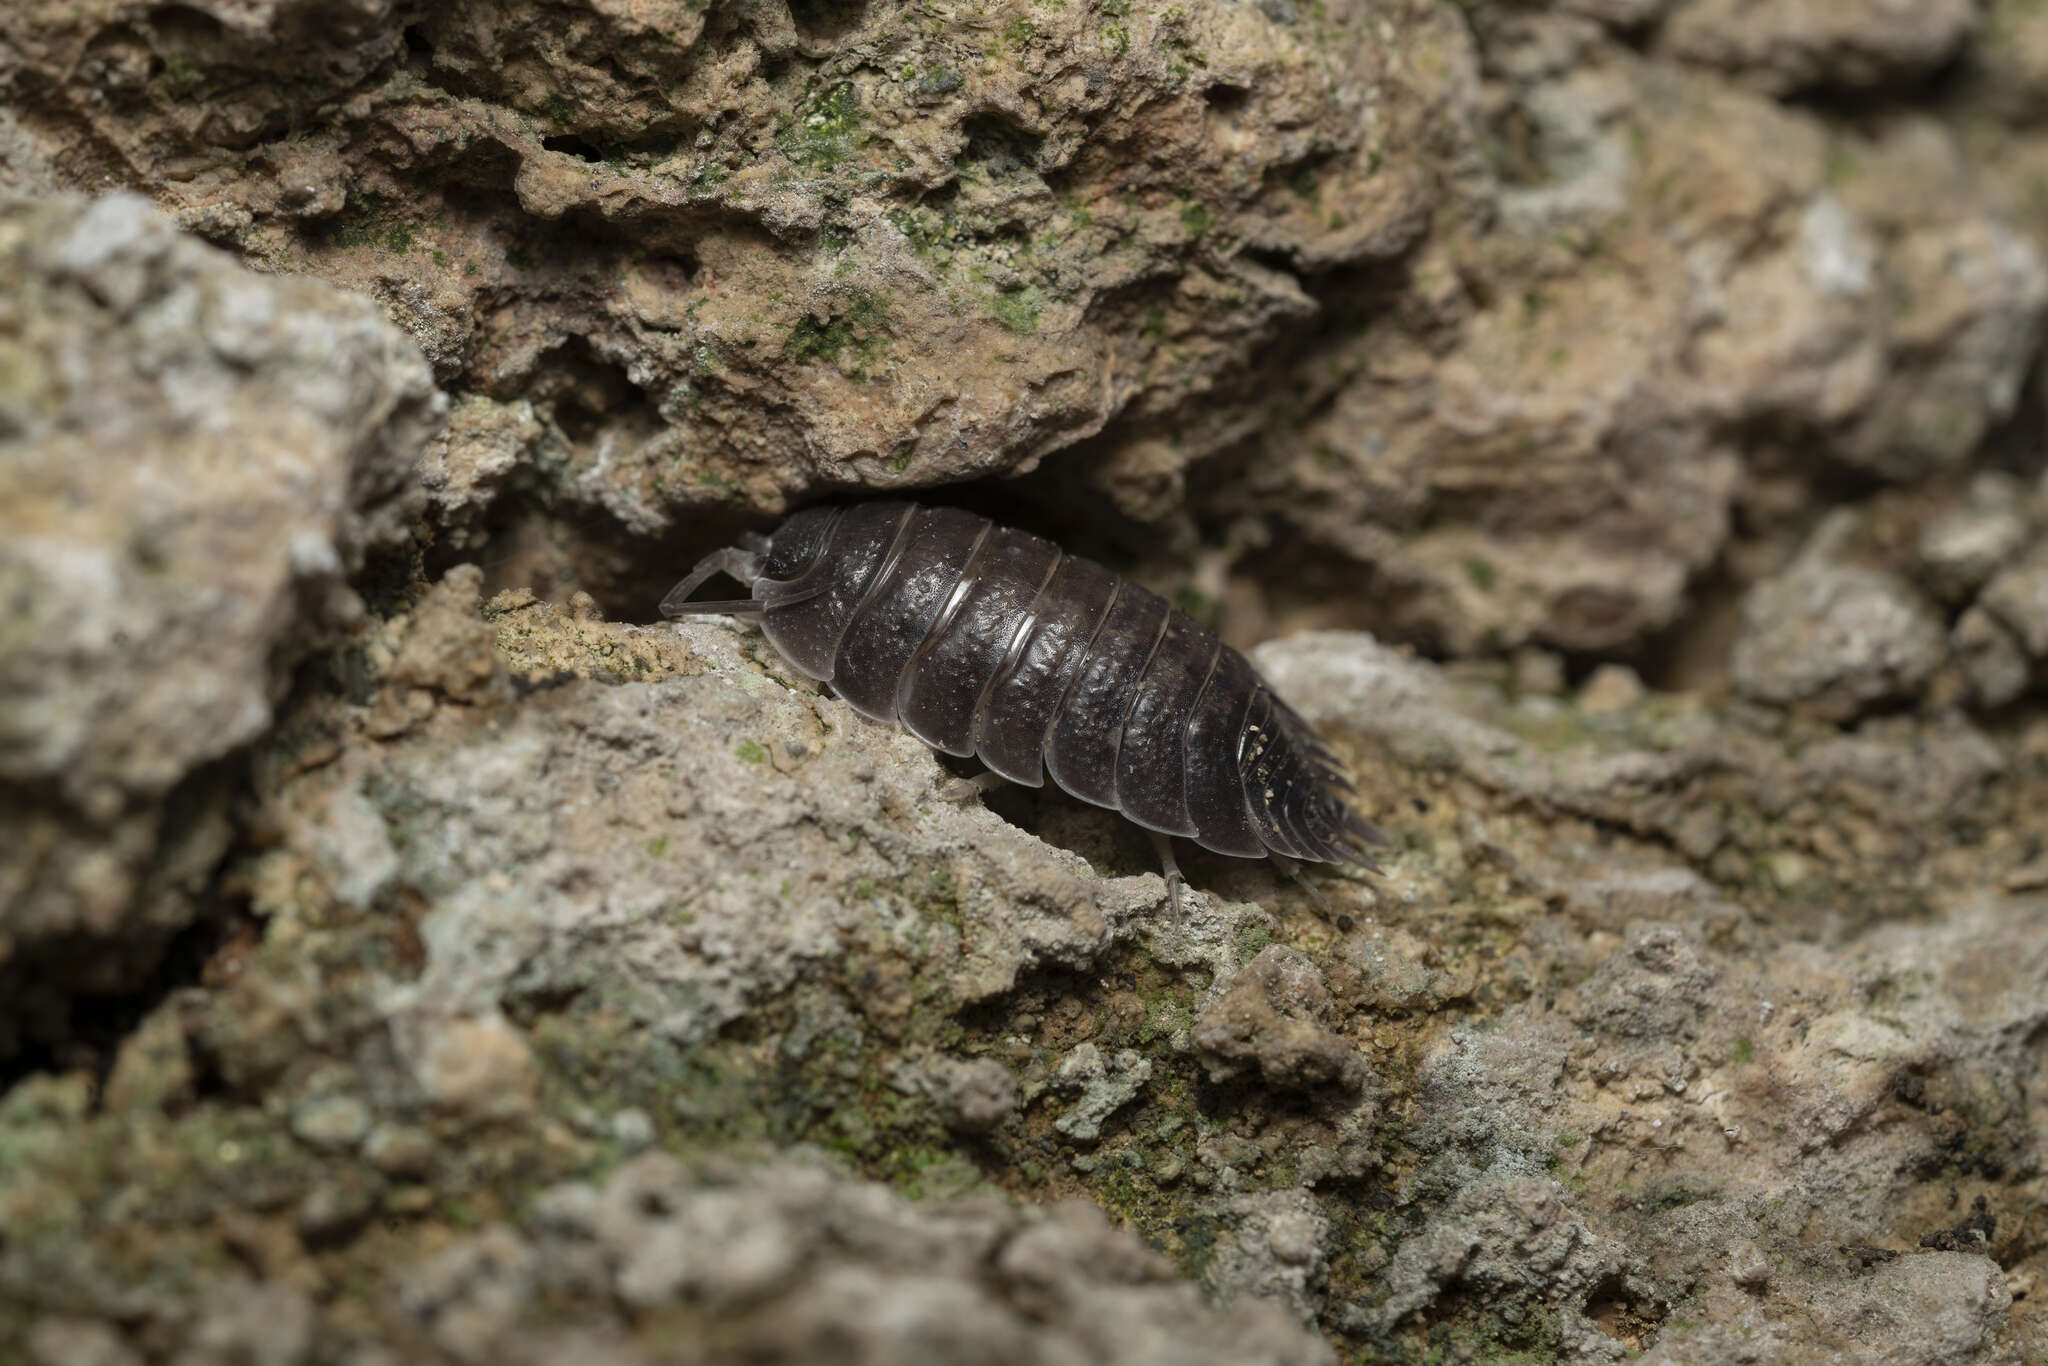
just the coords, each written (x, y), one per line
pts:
(740, 561)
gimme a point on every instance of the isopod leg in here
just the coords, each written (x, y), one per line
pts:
(1292, 868)
(743, 565)
(1169, 869)
(967, 789)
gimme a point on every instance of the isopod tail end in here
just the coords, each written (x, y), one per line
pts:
(1358, 855)
(1365, 832)
(1356, 842)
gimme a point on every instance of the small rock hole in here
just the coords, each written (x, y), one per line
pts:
(182, 24)
(1227, 99)
(1622, 1315)
(574, 144)
(826, 20)
(999, 146)
(417, 48)
(591, 395)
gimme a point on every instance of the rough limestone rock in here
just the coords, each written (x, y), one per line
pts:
(975, 1096)
(1686, 259)
(1276, 1248)
(554, 988)
(1275, 1019)
(700, 256)
(193, 459)
(1481, 309)
(580, 890)
(1961, 549)
(1842, 46)
(789, 1261)
(1993, 662)
(1714, 1090)
(1835, 639)
(2018, 599)
(1106, 1085)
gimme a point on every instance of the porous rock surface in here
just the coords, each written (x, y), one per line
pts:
(193, 459)
(559, 988)
(1305, 288)
(685, 256)
(1845, 46)
(803, 1264)
(1836, 640)
(1579, 1076)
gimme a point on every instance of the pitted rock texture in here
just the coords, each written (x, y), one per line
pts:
(1810, 812)
(1106, 1085)
(1844, 46)
(193, 459)
(1835, 640)
(541, 953)
(1907, 600)
(2018, 598)
(723, 832)
(687, 257)
(1661, 1130)
(1711, 293)
(1483, 307)
(510, 932)
(1273, 1019)
(789, 1261)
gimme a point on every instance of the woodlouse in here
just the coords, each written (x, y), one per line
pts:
(986, 641)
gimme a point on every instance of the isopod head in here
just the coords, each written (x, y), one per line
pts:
(794, 549)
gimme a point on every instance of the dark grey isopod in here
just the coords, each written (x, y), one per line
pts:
(981, 640)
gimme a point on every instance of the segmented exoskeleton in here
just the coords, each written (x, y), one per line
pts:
(981, 640)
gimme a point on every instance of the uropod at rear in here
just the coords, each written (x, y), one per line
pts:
(985, 641)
